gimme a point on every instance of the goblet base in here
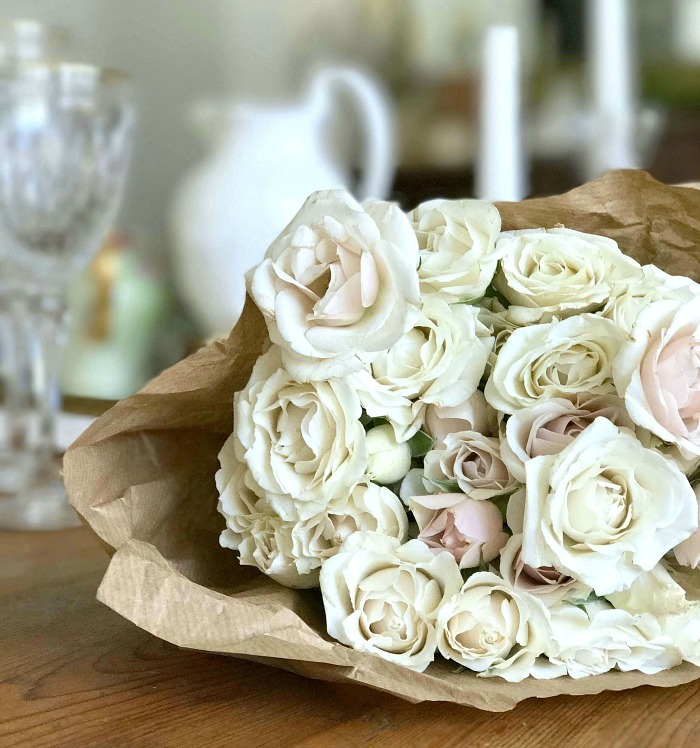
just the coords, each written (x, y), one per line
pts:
(16, 469)
(38, 507)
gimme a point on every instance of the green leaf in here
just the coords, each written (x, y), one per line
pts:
(420, 444)
(448, 486)
(493, 292)
(694, 478)
(369, 423)
(502, 503)
(581, 602)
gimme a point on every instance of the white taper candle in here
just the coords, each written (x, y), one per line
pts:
(501, 164)
(611, 61)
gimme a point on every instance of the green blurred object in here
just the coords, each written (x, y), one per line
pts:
(674, 83)
(124, 326)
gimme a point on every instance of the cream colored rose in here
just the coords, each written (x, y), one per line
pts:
(440, 361)
(292, 552)
(268, 545)
(457, 244)
(658, 593)
(628, 298)
(557, 359)
(560, 272)
(302, 442)
(382, 597)
(493, 629)
(605, 509)
(368, 508)
(546, 427)
(546, 583)
(472, 463)
(260, 536)
(658, 372)
(654, 592)
(474, 414)
(240, 499)
(683, 630)
(594, 638)
(339, 284)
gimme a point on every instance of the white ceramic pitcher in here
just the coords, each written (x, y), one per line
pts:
(264, 162)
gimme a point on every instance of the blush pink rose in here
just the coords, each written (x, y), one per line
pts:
(546, 427)
(472, 531)
(470, 462)
(545, 582)
(474, 414)
(658, 372)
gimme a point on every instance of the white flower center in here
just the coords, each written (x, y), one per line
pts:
(600, 509)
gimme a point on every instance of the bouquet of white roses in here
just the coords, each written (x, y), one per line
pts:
(478, 444)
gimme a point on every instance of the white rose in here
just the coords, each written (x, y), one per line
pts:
(474, 414)
(240, 498)
(292, 552)
(261, 537)
(628, 298)
(594, 638)
(656, 592)
(382, 597)
(605, 509)
(469, 462)
(559, 271)
(493, 629)
(546, 427)
(369, 508)
(339, 284)
(653, 592)
(658, 372)
(557, 359)
(544, 582)
(389, 459)
(457, 243)
(302, 442)
(684, 631)
(440, 361)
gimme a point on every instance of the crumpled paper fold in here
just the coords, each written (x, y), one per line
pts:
(142, 476)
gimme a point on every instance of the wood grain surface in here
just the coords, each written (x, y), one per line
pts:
(73, 673)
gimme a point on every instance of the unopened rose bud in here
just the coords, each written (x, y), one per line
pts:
(389, 460)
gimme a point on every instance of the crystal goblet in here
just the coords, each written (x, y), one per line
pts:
(65, 137)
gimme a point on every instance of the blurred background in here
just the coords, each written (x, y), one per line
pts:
(243, 109)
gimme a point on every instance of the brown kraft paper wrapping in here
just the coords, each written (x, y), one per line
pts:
(142, 476)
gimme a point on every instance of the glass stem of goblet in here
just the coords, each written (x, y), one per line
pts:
(18, 382)
(49, 332)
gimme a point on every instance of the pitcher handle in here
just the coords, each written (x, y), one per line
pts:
(375, 113)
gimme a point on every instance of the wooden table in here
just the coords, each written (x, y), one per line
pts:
(73, 673)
